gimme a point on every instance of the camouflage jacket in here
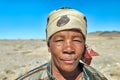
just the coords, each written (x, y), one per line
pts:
(43, 72)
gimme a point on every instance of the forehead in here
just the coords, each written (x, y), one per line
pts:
(64, 32)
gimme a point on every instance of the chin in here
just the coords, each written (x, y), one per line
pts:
(68, 68)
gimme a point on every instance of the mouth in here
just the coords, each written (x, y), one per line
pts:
(68, 61)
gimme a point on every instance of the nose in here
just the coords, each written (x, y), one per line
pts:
(68, 48)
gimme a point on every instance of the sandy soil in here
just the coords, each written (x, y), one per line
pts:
(19, 56)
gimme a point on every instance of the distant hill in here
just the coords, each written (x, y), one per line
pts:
(105, 33)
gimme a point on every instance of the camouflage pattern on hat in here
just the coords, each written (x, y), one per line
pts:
(64, 19)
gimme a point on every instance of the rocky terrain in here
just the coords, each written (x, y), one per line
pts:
(19, 56)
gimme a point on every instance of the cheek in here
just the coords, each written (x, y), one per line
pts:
(55, 54)
(79, 48)
(79, 51)
(54, 49)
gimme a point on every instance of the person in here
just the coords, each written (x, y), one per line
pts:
(66, 32)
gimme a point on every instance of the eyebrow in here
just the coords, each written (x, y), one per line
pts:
(79, 36)
(61, 36)
(56, 36)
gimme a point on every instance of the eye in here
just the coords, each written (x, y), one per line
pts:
(59, 40)
(77, 40)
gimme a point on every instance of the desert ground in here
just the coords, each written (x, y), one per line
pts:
(20, 56)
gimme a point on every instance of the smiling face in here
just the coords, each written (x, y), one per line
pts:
(66, 49)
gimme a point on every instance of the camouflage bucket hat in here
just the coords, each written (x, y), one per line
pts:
(64, 19)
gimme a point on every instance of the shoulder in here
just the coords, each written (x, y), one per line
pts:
(36, 73)
(93, 74)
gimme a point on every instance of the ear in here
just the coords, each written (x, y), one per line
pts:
(49, 50)
(84, 51)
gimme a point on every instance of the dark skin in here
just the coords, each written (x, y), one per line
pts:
(66, 49)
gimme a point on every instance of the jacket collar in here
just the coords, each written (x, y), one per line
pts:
(84, 73)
